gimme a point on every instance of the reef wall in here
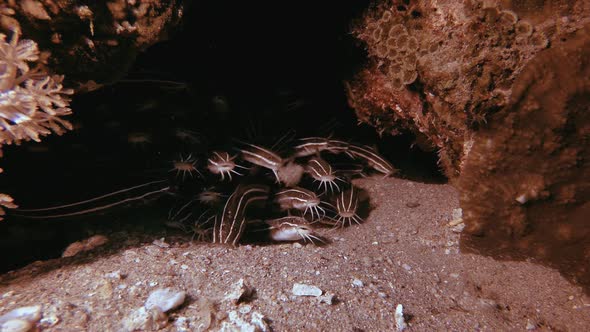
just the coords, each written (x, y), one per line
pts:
(525, 186)
(91, 42)
(500, 90)
(440, 69)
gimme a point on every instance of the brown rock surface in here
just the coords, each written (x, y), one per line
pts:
(440, 69)
(525, 187)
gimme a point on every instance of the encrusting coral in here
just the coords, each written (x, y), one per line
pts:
(440, 69)
(502, 94)
(32, 103)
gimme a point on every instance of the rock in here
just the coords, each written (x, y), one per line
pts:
(327, 298)
(115, 275)
(85, 245)
(144, 319)
(457, 214)
(182, 324)
(48, 321)
(357, 283)
(73, 249)
(259, 321)
(244, 309)
(240, 292)
(454, 99)
(523, 187)
(204, 316)
(306, 290)
(165, 299)
(30, 314)
(104, 290)
(161, 243)
(16, 325)
(95, 241)
(530, 325)
(244, 323)
(400, 322)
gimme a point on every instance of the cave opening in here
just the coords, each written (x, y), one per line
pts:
(232, 71)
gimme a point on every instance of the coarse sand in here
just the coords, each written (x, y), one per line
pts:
(404, 253)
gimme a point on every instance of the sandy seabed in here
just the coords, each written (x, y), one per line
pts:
(405, 253)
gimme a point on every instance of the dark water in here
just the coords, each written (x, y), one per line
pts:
(241, 83)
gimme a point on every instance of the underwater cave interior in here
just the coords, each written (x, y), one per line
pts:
(232, 72)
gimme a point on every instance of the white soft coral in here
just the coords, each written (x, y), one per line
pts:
(31, 102)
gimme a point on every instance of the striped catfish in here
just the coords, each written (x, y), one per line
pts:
(314, 145)
(291, 228)
(320, 170)
(373, 159)
(300, 199)
(260, 156)
(229, 226)
(346, 207)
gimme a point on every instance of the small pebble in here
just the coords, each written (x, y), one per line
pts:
(7, 294)
(30, 314)
(306, 290)
(49, 321)
(357, 283)
(530, 325)
(165, 299)
(240, 291)
(161, 243)
(244, 309)
(115, 275)
(144, 320)
(400, 322)
(458, 228)
(259, 321)
(327, 298)
(182, 324)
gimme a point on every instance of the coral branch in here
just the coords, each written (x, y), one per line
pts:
(31, 102)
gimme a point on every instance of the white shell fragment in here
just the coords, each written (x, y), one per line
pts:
(306, 290)
(357, 283)
(522, 199)
(399, 318)
(165, 299)
(30, 314)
